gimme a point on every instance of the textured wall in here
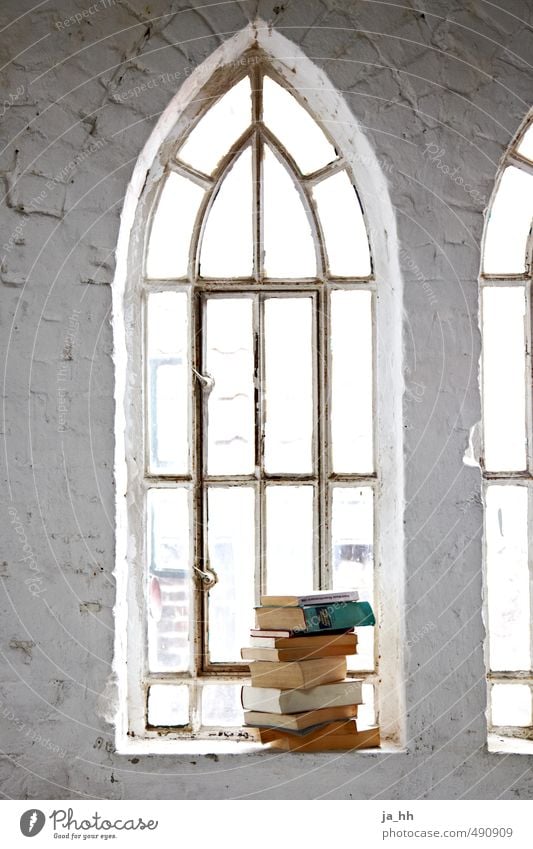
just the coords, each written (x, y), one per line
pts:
(439, 94)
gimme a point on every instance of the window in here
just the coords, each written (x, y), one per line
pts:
(508, 443)
(246, 395)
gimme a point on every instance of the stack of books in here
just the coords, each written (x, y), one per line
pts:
(299, 698)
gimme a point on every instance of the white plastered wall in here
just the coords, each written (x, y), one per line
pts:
(431, 91)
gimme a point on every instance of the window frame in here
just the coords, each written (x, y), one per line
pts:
(522, 478)
(301, 75)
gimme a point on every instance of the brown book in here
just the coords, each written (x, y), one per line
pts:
(367, 738)
(298, 721)
(292, 618)
(309, 653)
(330, 729)
(285, 640)
(300, 674)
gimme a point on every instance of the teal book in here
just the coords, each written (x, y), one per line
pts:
(315, 619)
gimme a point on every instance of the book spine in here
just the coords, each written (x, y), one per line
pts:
(336, 616)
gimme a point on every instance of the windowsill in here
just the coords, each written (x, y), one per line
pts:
(230, 747)
(509, 745)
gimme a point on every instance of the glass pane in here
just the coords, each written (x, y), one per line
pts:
(366, 713)
(172, 228)
(352, 556)
(511, 704)
(509, 224)
(508, 577)
(344, 227)
(231, 542)
(351, 382)
(220, 127)
(289, 246)
(525, 148)
(231, 406)
(504, 387)
(295, 128)
(168, 382)
(289, 539)
(169, 579)
(221, 705)
(168, 705)
(227, 244)
(289, 385)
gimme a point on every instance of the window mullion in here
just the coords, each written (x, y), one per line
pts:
(200, 496)
(260, 440)
(257, 173)
(528, 377)
(321, 412)
(530, 566)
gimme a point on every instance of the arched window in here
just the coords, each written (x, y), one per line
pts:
(507, 458)
(247, 363)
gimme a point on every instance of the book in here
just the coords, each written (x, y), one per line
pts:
(343, 726)
(346, 614)
(346, 640)
(298, 674)
(284, 634)
(299, 721)
(309, 653)
(279, 701)
(319, 597)
(367, 738)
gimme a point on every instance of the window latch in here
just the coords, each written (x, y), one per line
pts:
(208, 577)
(207, 381)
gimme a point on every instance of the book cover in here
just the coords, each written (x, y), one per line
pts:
(316, 618)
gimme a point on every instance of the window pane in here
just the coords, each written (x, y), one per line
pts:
(289, 539)
(511, 704)
(344, 227)
(509, 223)
(351, 382)
(352, 556)
(366, 713)
(231, 543)
(289, 385)
(168, 382)
(508, 577)
(295, 128)
(169, 580)
(227, 244)
(172, 228)
(220, 127)
(168, 705)
(525, 148)
(289, 246)
(221, 705)
(504, 402)
(231, 405)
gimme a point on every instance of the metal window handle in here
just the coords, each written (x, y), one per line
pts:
(207, 380)
(208, 577)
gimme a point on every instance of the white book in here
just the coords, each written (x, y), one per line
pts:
(318, 597)
(273, 700)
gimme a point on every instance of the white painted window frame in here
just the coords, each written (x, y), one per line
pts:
(130, 715)
(505, 478)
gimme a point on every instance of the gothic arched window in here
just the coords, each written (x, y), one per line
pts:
(507, 459)
(250, 331)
